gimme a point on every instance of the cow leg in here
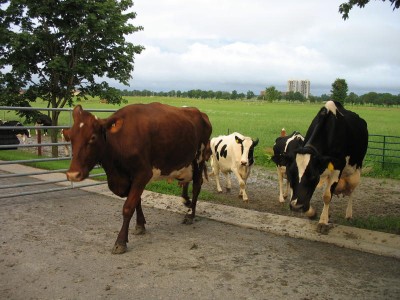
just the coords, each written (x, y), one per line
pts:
(242, 185)
(131, 203)
(349, 209)
(197, 182)
(219, 189)
(140, 220)
(323, 224)
(185, 195)
(280, 180)
(228, 181)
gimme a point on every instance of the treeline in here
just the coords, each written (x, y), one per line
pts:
(371, 98)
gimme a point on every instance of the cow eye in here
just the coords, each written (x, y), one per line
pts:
(92, 139)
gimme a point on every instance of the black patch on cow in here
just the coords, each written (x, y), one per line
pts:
(216, 146)
(216, 149)
(224, 152)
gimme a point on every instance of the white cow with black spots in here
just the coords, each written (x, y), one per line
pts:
(233, 153)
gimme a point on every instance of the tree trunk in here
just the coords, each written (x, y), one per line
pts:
(54, 134)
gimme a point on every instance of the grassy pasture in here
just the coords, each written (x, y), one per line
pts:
(257, 119)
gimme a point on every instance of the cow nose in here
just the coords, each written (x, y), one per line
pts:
(244, 163)
(74, 176)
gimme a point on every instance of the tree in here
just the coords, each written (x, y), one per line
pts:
(53, 48)
(352, 98)
(339, 90)
(345, 8)
(234, 95)
(271, 93)
(250, 94)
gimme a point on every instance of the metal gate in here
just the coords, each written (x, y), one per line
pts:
(384, 150)
(19, 179)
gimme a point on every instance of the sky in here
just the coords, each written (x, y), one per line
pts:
(254, 44)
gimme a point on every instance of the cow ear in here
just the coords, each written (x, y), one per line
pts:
(77, 112)
(238, 140)
(114, 125)
(255, 142)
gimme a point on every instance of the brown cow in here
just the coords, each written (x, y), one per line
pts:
(139, 143)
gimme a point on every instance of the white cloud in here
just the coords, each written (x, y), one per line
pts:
(252, 44)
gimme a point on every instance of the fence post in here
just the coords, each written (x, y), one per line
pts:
(39, 141)
(383, 152)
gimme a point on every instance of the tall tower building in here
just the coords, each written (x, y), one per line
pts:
(302, 86)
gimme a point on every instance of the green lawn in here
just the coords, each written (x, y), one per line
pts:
(258, 119)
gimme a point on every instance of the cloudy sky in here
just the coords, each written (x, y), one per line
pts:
(250, 45)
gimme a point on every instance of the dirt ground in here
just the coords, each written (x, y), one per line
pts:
(58, 246)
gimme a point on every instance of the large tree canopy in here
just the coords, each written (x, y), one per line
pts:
(345, 8)
(53, 48)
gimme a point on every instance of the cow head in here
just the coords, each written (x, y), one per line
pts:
(88, 141)
(303, 170)
(247, 158)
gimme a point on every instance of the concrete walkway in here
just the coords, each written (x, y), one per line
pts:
(343, 236)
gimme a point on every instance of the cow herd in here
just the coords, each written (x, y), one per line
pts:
(144, 142)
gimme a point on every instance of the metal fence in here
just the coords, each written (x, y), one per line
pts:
(11, 171)
(384, 150)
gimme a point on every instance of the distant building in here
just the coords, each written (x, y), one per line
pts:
(302, 86)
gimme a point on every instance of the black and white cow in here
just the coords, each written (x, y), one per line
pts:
(233, 153)
(19, 130)
(285, 145)
(334, 148)
(43, 120)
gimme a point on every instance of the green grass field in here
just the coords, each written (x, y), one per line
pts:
(259, 119)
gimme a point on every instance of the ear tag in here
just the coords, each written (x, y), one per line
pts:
(116, 126)
(331, 167)
(237, 141)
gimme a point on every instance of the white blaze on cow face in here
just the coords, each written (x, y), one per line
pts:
(246, 144)
(81, 125)
(302, 161)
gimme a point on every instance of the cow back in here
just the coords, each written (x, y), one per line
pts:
(338, 133)
(163, 136)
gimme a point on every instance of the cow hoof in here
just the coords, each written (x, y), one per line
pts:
(228, 190)
(139, 230)
(324, 228)
(188, 220)
(119, 248)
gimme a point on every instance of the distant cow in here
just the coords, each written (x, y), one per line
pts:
(285, 145)
(65, 139)
(233, 153)
(19, 130)
(334, 148)
(139, 143)
(43, 120)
